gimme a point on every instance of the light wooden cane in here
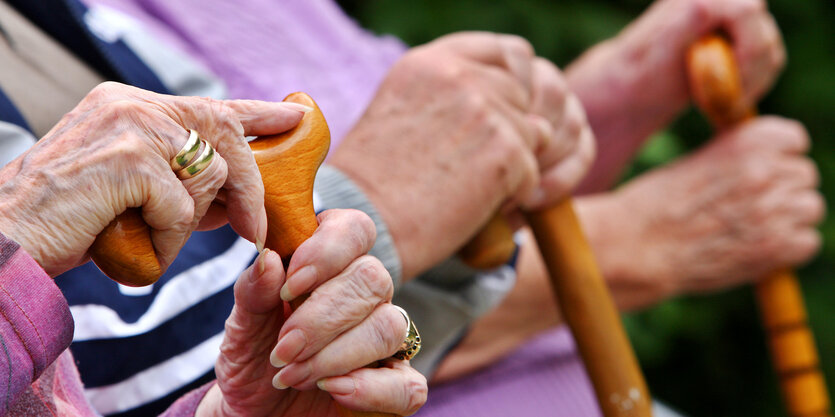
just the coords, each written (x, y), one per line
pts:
(584, 299)
(288, 163)
(716, 88)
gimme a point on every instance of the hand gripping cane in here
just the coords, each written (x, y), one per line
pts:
(288, 163)
(716, 88)
(584, 300)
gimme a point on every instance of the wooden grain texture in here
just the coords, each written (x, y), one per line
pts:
(716, 87)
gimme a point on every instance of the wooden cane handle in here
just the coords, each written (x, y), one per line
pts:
(590, 312)
(124, 252)
(288, 163)
(716, 87)
(491, 247)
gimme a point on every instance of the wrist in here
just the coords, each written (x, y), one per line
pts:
(615, 226)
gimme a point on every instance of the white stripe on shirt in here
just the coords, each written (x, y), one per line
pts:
(96, 321)
(157, 381)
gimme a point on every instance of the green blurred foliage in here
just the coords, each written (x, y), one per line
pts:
(703, 355)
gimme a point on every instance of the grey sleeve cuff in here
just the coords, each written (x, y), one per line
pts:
(445, 301)
(333, 189)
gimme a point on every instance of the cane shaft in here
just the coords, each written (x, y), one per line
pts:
(590, 312)
(716, 87)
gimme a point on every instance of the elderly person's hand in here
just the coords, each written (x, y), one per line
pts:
(739, 208)
(347, 322)
(471, 120)
(113, 151)
(635, 83)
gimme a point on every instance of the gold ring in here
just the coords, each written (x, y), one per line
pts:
(411, 343)
(187, 153)
(200, 163)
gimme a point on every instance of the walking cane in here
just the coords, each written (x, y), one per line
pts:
(584, 300)
(288, 163)
(717, 90)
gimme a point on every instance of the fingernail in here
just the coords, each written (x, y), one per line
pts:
(277, 384)
(287, 348)
(302, 280)
(262, 261)
(293, 375)
(340, 385)
(261, 233)
(296, 106)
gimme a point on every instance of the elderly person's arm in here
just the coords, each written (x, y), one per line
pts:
(742, 206)
(635, 83)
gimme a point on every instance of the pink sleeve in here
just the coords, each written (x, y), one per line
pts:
(35, 322)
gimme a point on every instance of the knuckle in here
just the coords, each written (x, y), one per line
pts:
(363, 226)
(517, 45)
(374, 276)
(103, 91)
(417, 392)
(117, 110)
(756, 175)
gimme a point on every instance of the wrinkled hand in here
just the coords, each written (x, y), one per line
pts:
(458, 127)
(653, 48)
(739, 208)
(113, 151)
(346, 323)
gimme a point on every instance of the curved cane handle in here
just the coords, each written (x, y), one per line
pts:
(288, 163)
(717, 90)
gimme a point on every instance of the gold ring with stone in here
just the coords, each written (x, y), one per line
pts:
(202, 161)
(188, 152)
(411, 343)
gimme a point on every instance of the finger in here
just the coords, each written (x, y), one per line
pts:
(257, 289)
(800, 173)
(545, 135)
(759, 49)
(509, 52)
(558, 182)
(204, 186)
(334, 307)
(222, 126)
(499, 84)
(802, 246)
(395, 388)
(377, 337)
(166, 207)
(567, 135)
(549, 91)
(260, 118)
(806, 208)
(772, 133)
(342, 236)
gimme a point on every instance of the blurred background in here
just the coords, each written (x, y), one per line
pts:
(705, 356)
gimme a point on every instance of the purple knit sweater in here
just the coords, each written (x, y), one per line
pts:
(37, 373)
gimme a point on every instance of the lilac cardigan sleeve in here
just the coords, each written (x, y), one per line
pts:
(35, 322)
(37, 373)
